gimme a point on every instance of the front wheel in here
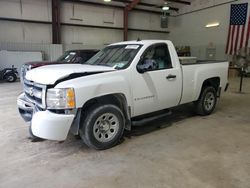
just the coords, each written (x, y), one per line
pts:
(102, 127)
(206, 102)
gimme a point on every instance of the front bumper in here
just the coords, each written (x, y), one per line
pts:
(25, 108)
(48, 125)
(45, 124)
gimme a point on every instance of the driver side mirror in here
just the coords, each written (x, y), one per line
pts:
(146, 65)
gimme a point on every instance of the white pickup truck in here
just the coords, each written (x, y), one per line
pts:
(99, 99)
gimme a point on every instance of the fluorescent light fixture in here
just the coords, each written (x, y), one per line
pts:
(216, 24)
(106, 0)
(165, 8)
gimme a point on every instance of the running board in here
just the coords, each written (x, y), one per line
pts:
(148, 119)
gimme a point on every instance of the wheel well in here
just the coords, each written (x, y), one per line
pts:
(117, 99)
(8, 73)
(214, 82)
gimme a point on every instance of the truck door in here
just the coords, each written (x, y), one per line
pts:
(160, 86)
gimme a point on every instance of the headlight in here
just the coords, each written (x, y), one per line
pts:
(60, 98)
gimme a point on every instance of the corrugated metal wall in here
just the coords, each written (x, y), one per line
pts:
(17, 58)
(23, 36)
(49, 51)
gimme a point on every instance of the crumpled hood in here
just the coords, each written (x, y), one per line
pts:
(48, 75)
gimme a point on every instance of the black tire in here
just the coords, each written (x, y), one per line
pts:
(206, 103)
(32, 137)
(10, 77)
(94, 135)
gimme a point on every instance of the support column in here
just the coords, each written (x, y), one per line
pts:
(126, 10)
(125, 24)
(56, 23)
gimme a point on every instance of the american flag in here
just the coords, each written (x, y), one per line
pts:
(239, 28)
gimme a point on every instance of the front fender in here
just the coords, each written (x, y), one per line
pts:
(93, 86)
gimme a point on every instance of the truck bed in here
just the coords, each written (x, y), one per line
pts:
(194, 74)
(203, 62)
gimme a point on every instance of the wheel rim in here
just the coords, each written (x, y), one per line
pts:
(10, 78)
(209, 101)
(106, 127)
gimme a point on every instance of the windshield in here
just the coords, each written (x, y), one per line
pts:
(117, 56)
(67, 57)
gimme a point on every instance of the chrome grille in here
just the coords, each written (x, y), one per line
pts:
(35, 93)
(24, 70)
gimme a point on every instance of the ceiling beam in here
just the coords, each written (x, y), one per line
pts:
(111, 5)
(146, 4)
(180, 1)
(133, 4)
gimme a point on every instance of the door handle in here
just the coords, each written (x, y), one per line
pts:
(170, 76)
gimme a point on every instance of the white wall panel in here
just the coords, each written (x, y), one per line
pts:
(73, 13)
(24, 32)
(17, 58)
(35, 36)
(91, 15)
(10, 8)
(37, 33)
(190, 30)
(36, 10)
(200, 4)
(90, 36)
(142, 20)
(26, 9)
(49, 51)
(134, 35)
(11, 31)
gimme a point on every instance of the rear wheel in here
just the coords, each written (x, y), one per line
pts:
(102, 127)
(10, 77)
(206, 102)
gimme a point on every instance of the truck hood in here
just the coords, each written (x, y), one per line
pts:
(35, 64)
(48, 75)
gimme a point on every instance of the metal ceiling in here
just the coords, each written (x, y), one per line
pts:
(154, 6)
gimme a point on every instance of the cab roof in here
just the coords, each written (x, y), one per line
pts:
(140, 42)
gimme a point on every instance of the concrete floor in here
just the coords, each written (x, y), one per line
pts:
(180, 151)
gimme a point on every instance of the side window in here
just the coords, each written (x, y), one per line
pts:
(84, 57)
(159, 55)
(78, 58)
(89, 55)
